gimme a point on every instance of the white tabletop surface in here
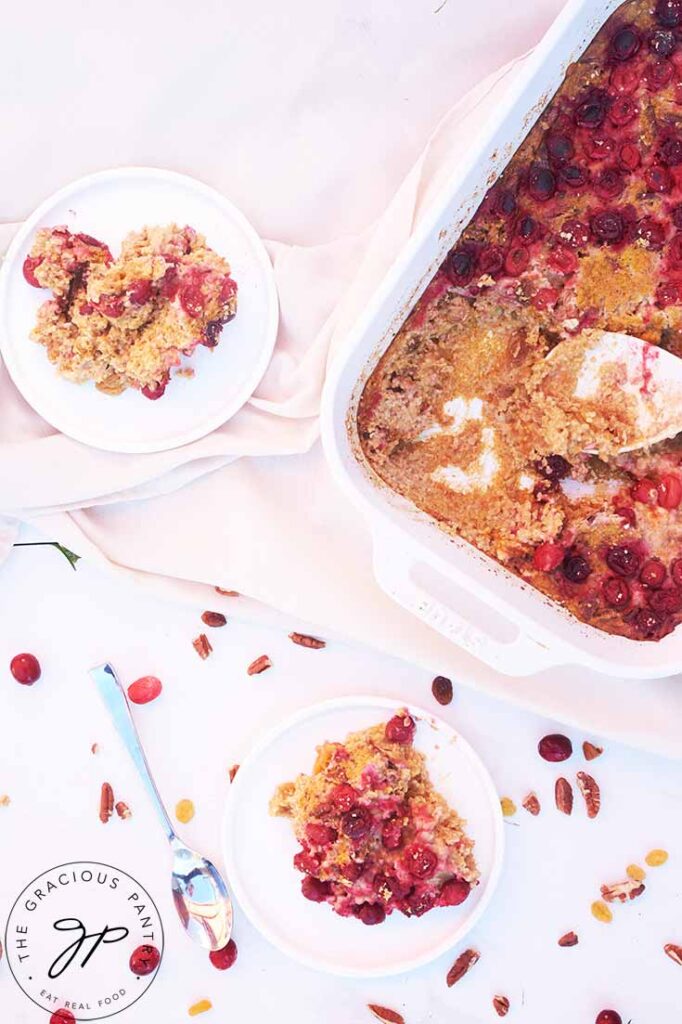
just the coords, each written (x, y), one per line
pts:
(207, 718)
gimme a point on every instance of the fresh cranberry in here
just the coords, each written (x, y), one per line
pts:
(421, 901)
(25, 668)
(653, 573)
(622, 111)
(576, 568)
(420, 861)
(668, 600)
(357, 822)
(608, 1017)
(649, 622)
(306, 862)
(192, 297)
(629, 156)
(652, 232)
(392, 834)
(668, 13)
(343, 796)
(315, 890)
(623, 560)
(320, 835)
(676, 571)
(563, 259)
(62, 1016)
(548, 557)
(400, 728)
(555, 748)
(645, 491)
(607, 227)
(140, 291)
(371, 913)
(624, 79)
(461, 265)
(168, 286)
(662, 43)
(224, 958)
(658, 179)
(144, 960)
(528, 228)
(541, 183)
(591, 110)
(573, 176)
(575, 232)
(625, 43)
(29, 268)
(211, 335)
(155, 391)
(454, 892)
(560, 148)
(669, 491)
(657, 75)
(490, 260)
(516, 260)
(112, 306)
(144, 689)
(228, 289)
(616, 592)
(668, 294)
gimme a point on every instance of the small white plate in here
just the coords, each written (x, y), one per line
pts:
(108, 205)
(259, 848)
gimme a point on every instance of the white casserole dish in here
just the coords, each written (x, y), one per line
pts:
(444, 580)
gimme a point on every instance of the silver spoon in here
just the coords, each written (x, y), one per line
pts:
(199, 892)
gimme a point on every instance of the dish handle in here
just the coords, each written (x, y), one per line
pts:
(396, 566)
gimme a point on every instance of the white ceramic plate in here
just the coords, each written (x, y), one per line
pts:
(259, 849)
(108, 205)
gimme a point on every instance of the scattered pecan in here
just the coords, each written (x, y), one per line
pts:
(591, 793)
(214, 619)
(501, 1005)
(464, 962)
(441, 688)
(106, 803)
(382, 1013)
(532, 804)
(202, 646)
(233, 771)
(311, 642)
(674, 952)
(123, 810)
(259, 665)
(226, 593)
(569, 939)
(563, 795)
(590, 751)
(622, 891)
(94, 749)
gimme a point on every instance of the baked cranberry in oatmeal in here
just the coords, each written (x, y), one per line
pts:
(128, 322)
(464, 414)
(375, 835)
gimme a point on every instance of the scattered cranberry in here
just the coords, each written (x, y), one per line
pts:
(662, 43)
(622, 112)
(676, 214)
(668, 294)
(657, 75)
(676, 571)
(548, 557)
(670, 151)
(516, 260)
(506, 203)
(460, 266)
(25, 668)
(575, 232)
(666, 601)
(573, 176)
(441, 688)
(306, 862)
(400, 728)
(545, 298)
(669, 491)
(112, 306)
(528, 228)
(228, 289)
(623, 560)
(144, 960)
(392, 834)
(648, 621)
(625, 43)
(421, 901)
(559, 147)
(169, 284)
(624, 79)
(356, 822)
(652, 232)
(653, 573)
(645, 491)
(352, 870)
(155, 391)
(144, 689)
(371, 913)
(29, 268)
(627, 514)
(320, 835)
(224, 958)
(576, 568)
(343, 796)
(607, 227)
(315, 890)
(140, 292)
(454, 892)
(192, 297)
(491, 260)
(674, 252)
(420, 861)
(658, 179)
(555, 747)
(541, 183)
(563, 259)
(591, 111)
(211, 335)
(668, 13)
(616, 592)
(629, 156)
(608, 1017)
(62, 1016)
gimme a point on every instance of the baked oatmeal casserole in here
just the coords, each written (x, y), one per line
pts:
(466, 417)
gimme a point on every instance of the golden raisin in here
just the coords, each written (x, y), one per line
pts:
(601, 911)
(634, 871)
(201, 1007)
(184, 811)
(655, 858)
(508, 807)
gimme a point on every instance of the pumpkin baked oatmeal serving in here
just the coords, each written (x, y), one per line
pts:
(465, 415)
(128, 322)
(375, 835)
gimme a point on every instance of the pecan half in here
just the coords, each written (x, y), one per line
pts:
(382, 1013)
(591, 793)
(202, 646)
(226, 593)
(106, 803)
(311, 642)
(569, 939)
(233, 771)
(123, 810)
(622, 891)
(674, 952)
(464, 962)
(590, 751)
(532, 804)
(563, 795)
(214, 619)
(259, 665)
(501, 1005)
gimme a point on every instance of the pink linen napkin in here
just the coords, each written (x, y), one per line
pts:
(276, 528)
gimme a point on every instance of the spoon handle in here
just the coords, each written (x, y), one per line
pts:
(115, 699)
